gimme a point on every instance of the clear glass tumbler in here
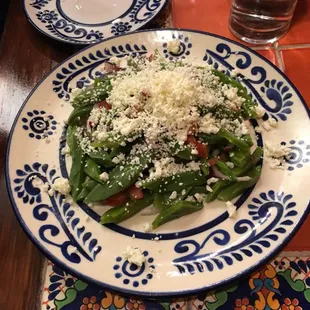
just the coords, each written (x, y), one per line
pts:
(261, 21)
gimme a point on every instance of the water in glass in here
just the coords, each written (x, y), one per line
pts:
(261, 21)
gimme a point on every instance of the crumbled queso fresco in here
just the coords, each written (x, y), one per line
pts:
(162, 106)
(134, 256)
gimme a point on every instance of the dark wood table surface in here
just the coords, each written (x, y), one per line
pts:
(25, 57)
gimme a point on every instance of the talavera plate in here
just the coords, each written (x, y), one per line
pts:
(196, 252)
(88, 21)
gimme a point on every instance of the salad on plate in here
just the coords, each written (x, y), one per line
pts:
(165, 137)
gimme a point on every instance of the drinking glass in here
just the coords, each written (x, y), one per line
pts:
(261, 21)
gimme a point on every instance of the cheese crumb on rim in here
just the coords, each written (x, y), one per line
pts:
(134, 256)
(62, 186)
(231, 209)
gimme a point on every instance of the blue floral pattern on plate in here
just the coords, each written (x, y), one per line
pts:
(38, 124)
(49, 18)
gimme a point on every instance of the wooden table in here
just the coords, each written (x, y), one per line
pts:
(26, 55)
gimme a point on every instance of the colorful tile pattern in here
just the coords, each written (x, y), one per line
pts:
(283, 283)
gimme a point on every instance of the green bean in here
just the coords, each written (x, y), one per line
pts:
(79, 112)
(119, 214)
(82, 195)
(119, 179)
(212, 139)
(177, 210)
(87, 186)
(77, 174)
(197, 190)
(92, 170)
(102, 158)
(164, 201)
(248, 140)
(175, 182)
(252, 161)
(113, 142)
(121, 149)
(239, 157)
(183, 152)
(216, 189)
(92, 95)
(248, 107)
(186, 154)
(70, 136)
(225, 169)
(233, 139)
(238, 188)
(204, 166)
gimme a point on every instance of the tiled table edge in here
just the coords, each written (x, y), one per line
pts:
(286, 279)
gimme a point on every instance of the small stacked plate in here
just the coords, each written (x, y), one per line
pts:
(88, 21)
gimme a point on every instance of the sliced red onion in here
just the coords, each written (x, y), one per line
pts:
(218, 174)
(228, 147)
(110, 68)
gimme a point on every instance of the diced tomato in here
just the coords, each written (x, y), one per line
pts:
(104, 104)
(191, 140)
(90, 123)
(201, 148)
(135, 193)
(212, 162)
(151, 57)
(224, 156)
(117, 200)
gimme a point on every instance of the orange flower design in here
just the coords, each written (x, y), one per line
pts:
(135, 304)
(291, 304)
(243, 304)
(90, 304)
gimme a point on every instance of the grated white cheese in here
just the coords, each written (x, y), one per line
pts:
(230, 164)
(173, 46)
(260, 111)
(198, 197)
(272, 122)
(134, 256)
(209, 189)
(231, 209)
(243, 179)
(104, 176)
(62, 186)
(173, 195)
(65, 150)
(147, 227)
(258, 129)
(276, 155)
(162, 105)
(266, 126)
(212, 180)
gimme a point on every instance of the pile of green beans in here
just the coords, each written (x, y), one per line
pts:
(172, 196)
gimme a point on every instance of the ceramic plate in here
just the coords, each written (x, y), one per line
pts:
(88, 21)
(196, 252)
